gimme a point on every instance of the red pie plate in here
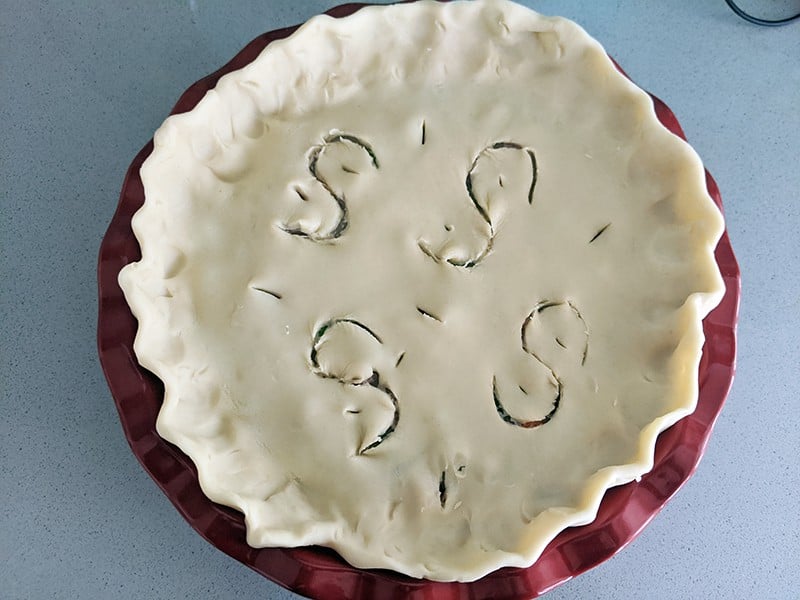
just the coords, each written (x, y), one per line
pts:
(321, 573)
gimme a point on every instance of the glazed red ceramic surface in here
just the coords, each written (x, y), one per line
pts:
(321, 573)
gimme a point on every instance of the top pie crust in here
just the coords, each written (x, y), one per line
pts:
(422, 283)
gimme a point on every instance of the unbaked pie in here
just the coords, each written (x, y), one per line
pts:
(422, 283)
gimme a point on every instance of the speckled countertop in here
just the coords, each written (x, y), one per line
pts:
(82, 88)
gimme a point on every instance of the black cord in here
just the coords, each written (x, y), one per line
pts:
(756, 20)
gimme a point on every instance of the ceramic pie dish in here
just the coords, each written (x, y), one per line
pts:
(141, 387)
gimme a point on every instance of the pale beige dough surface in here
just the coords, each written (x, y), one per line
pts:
(421, 284)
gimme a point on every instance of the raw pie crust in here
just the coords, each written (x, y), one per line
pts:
(421, 284)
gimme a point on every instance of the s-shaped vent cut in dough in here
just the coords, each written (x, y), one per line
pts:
(422, 283)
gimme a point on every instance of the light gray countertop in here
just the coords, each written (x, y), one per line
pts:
(83, 86)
